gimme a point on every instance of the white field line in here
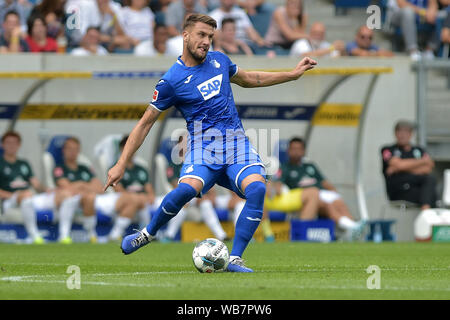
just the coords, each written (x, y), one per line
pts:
(42, 279)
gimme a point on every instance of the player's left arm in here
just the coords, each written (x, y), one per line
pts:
(254, 79)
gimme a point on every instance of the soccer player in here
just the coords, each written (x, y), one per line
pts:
(18, 185)
(81, 180)
(305, 180)
(199, 85)
(204, 204)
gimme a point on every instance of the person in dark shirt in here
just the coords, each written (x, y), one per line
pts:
(11, 40)
(18, 187)
(298, 174)
(82, 181)
(407, 169)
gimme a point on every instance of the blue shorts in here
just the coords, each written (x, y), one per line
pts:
(229, 176)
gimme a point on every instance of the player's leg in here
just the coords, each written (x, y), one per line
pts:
(172, 203)
(66, 214)
(209, 216)
(25, 201)
(333, 207)
(89, 215)
(266, 227)
(174, 225)
(310, 203)
(126, 206)
(250, 183)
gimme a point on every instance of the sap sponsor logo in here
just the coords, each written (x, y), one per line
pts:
(211, 87)
(318, 234)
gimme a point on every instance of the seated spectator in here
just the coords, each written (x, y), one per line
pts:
(251, 6)
(90, 45)
(288, 24)
(107, 16)
(53, 13)
(244, 28)
(11, 40)
(157, 46)
(137, 21)
(316, 46)
(363, 45)
(229, 43)
(407, 169)
(407, 14)
(177, 12)
(37, 38)
(22, 8)
(297, 174)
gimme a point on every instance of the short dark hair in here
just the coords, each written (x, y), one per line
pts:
(227, 20)
(123, 141)
(198, 17)
(73, 139)
(11, 12)
(297, 139)
(11, 133)
(404, 124)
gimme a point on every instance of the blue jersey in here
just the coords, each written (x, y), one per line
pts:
(204, 97)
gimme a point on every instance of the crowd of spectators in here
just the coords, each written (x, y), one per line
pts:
(153, 27)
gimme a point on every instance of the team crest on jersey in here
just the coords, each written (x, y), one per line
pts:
(155, 95)
(215, 63)
(211, 87)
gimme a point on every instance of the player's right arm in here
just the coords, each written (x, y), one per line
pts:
(134, 141)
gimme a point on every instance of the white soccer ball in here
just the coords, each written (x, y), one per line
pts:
(210, 255)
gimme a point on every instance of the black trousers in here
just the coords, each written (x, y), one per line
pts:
(420, 189)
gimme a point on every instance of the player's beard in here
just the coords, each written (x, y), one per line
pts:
(197, 57)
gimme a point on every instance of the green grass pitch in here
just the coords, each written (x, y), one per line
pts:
(292, 270)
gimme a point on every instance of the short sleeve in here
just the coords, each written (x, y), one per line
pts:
(30, 171)
(319, 174)
(232, 67)
(163, 96)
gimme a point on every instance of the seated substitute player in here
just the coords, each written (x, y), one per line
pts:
(18, 185)
(135, 181)
(407, 169)
(300, 175)
(199, 85)
(81, 180)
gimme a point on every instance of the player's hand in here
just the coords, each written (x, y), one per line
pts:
(114, 176)
(304, 65)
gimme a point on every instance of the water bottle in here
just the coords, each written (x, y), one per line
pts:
(377, 234)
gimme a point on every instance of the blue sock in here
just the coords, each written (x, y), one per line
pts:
(170, 206)
(249, 218)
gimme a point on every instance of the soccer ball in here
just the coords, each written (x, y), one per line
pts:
(210, 255)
